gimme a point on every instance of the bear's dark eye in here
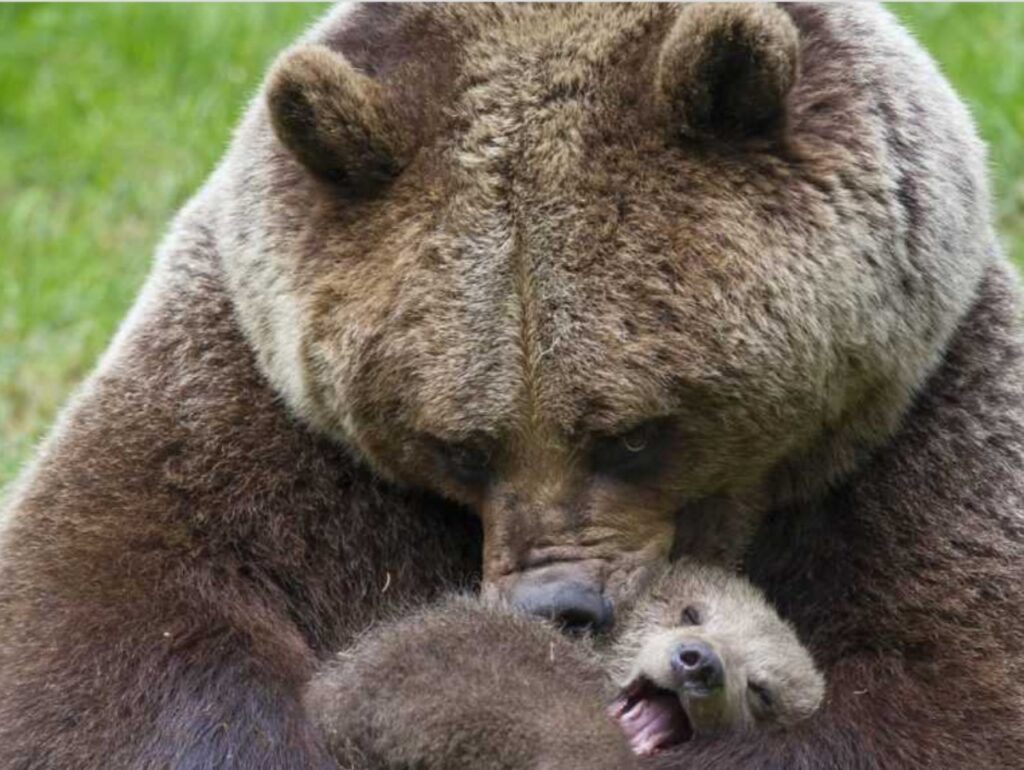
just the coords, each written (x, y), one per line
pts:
(636, 452)
(691, 616)
(763, 696)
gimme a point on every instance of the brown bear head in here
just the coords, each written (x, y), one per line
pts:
(617, 278)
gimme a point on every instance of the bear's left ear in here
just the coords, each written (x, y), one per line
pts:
(724, 70)
(341, 124)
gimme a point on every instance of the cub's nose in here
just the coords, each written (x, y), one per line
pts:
(695, 663)
(576, 606)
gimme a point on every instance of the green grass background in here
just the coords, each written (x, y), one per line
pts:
(112, 115)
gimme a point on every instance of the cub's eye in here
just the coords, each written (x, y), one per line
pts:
(467, 464)
(762, 695)
(691, 616)
(633, 453)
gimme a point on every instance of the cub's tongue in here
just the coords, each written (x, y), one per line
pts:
(652, 719)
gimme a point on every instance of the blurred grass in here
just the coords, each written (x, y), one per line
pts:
(980, 48)
(110, 118)
(112, 115)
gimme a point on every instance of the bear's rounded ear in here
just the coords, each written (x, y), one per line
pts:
(337, 121)
(725, 70)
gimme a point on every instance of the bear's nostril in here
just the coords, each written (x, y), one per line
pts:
(690, 658)
(575, 606)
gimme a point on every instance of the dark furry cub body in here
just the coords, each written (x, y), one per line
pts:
(539, 296)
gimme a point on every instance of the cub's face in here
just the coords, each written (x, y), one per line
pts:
(703, 653)
(548, 264)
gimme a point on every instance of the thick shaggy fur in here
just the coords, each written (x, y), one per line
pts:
(461, 686)
(379, 352)
(464, 686)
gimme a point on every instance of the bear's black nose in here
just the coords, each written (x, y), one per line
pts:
(576, 606)
(695, 663)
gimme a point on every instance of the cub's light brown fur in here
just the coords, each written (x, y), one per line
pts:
(536, 699)
(342, 377)
(768, 678)
(463, 685)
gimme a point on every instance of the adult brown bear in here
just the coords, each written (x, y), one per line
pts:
(557, 290)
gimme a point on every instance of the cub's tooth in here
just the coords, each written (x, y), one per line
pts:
(618, 708)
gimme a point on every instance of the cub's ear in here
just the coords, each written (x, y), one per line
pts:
(724, 70)
(337, 121)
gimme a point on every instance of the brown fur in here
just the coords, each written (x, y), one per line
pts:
(336, 120)
(533, 699)
(463, 685)
(327, 403)
(550, 272)
(769, 678)
(726, 70)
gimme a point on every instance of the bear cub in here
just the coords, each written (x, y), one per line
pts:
(701, 653)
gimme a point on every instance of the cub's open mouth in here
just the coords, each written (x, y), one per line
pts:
(653, 719)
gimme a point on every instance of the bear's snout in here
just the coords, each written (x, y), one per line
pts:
(696, 665)
(575, 605)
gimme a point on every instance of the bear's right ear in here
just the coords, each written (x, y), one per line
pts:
(337, 121)
(725, 70)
